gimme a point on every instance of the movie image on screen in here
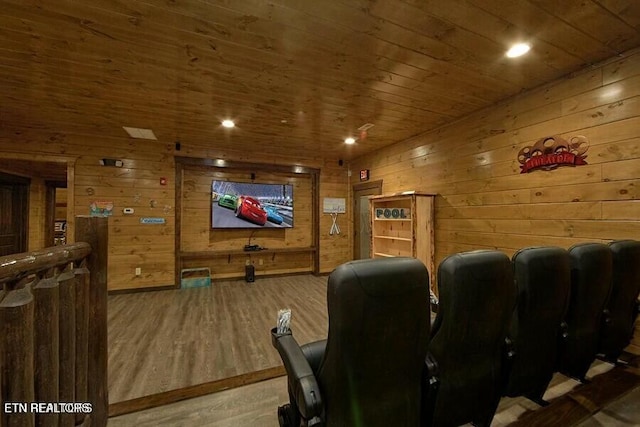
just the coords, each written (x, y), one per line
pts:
(251, 205)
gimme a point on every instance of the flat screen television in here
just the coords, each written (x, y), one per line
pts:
(251, 205)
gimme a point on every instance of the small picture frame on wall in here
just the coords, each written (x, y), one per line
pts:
(101, 208)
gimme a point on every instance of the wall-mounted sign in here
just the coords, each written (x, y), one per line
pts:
(393, 213)
(101, 208)
(334, 205)
(152, 220)
(552, 151)
(364, 175)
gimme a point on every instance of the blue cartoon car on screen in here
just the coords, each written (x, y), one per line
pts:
(273, 215)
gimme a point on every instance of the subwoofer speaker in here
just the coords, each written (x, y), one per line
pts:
(249, 273)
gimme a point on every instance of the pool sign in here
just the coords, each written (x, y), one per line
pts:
(393, 213)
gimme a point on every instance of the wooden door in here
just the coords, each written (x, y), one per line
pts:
(362, 217)
(14, 214)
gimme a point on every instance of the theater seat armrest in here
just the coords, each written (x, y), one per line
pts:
(314, 353)
(302, 381)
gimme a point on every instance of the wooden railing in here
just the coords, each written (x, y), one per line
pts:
(53, 332)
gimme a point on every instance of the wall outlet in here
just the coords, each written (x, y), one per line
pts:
(260, 261)
(138, 271)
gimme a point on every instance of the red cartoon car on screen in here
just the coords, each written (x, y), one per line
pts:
(250, 209)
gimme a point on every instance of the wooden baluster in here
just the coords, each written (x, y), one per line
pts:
(2, 333)
(67, 318)
(82, 335)
(47, 348)
(38, 365)
(95, 231)
(16, 343)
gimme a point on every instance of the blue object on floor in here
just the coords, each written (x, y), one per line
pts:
(195, 277)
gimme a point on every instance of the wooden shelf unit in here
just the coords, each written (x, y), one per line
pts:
(230, 263)
(403, 225)
(230, 252)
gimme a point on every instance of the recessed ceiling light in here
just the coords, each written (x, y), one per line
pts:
(518, 50)
(228, 123)
(349, 141)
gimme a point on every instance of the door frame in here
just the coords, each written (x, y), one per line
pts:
(369, 188)
(50, 210)
(20, 207)
(70, 182)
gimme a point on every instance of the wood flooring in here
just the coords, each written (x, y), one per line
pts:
(255, 405)
(169, 343)
(167, 340)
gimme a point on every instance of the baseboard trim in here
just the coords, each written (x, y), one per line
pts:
(172, 396)
(138, 290)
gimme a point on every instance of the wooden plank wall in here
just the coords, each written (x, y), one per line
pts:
(337, 248)
(37, 210)
(197, 234)
(61, 204)
(483, 200)
(137, 185)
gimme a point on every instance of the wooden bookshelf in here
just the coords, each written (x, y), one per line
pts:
(402, 225)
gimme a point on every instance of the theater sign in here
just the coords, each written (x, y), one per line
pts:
(553, 151)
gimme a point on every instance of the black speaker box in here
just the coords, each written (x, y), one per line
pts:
(249, 273)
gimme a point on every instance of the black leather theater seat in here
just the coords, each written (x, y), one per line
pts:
(369, 371)
(591, 265)
(622, 308)
(477, 297)
(543, 280)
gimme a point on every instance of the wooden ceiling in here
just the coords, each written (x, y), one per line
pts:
(297, 76)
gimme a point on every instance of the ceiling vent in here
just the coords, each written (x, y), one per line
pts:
(139, 133)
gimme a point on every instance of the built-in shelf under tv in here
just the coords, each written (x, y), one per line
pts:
(251, 205)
